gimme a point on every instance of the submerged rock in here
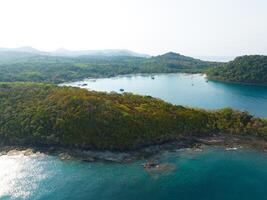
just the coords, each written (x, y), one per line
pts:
(155, 167)
(159, 168)
(150, 165)
(106, 156)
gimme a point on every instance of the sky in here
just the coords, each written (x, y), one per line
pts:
(190, 27)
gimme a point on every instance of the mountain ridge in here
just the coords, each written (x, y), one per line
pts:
(75, 53)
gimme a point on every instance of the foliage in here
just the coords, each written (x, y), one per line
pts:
(245, 69)
(53, 69)
(44, 114)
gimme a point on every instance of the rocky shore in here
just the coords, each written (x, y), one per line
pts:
(229, 142)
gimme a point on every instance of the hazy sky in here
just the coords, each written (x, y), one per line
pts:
(191, 27)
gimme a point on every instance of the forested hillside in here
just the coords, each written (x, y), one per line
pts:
(54, 69)
(41, 114)
(245, 69)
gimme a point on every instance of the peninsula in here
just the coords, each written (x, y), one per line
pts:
(34, 114)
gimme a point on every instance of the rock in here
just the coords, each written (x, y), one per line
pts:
(38, 153)
(65, 156)
(198, 149)
(88, 159)
(3, 153)
(160, 168)
(28, 152)
(14, 152)
(150, 165)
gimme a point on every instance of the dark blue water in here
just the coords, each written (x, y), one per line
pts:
(188, 90)
(208, 175)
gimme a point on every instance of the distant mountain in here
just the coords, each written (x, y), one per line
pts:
(244, 69)
(67, 53)
(108, 53)
(25, 49)
(28, 49)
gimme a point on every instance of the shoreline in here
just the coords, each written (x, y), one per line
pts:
(226, 141)
(204, 74)
(128, 75)
(235, 82)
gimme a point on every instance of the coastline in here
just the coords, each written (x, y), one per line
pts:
(225, 141)
(128, 75)
(161, 73)
(235, 82)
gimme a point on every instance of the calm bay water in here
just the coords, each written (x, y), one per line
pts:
(187, 90)
(210, 174)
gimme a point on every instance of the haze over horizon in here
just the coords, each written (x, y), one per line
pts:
(152, 27)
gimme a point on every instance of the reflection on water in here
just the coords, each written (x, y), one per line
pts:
(19, 176)
(186, 89)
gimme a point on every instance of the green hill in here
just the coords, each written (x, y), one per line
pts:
(55, 69)
(245, 69)
(173, 62)
(48, 115)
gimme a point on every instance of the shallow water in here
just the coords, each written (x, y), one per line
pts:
(210, 174)
(187, 90)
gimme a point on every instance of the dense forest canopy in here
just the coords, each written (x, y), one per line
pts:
(245, 69)
(18, 66)
(42, 114)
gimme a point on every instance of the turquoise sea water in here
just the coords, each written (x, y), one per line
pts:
(208, 175)
(188, 90)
